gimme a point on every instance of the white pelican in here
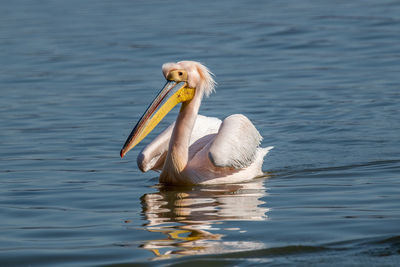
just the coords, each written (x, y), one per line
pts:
(195, 149)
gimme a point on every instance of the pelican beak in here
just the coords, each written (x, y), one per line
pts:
(174, 92)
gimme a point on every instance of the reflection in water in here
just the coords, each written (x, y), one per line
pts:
(191, 217)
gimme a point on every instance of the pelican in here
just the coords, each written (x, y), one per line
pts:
(195, 149)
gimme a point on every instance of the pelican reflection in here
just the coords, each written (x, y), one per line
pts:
(191, 219)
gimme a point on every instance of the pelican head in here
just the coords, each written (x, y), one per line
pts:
(185, 80)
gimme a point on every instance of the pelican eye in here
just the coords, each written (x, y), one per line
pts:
(177, 76)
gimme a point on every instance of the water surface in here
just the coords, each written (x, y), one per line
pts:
(320, 80)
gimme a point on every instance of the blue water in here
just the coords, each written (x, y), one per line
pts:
(319, 79)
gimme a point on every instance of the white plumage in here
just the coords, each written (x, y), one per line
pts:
(219, 152)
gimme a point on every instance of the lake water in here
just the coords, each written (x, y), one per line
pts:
(319, 79)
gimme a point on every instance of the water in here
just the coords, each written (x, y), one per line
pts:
(320, 80)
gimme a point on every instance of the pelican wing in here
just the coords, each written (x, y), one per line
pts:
(152, 156)
(236, 143)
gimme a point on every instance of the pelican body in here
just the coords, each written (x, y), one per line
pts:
(195, 149)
